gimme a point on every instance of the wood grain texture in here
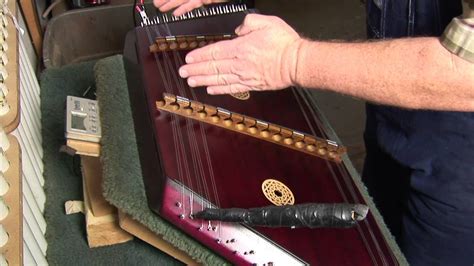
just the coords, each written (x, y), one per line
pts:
(28, 7)
(137, 229)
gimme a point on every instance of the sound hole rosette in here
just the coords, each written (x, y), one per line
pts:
(241, 95)
(277, 192)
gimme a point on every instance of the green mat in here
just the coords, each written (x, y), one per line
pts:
(123, 186)
(65, 234)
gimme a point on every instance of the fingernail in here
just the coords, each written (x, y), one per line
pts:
(191, 82)
(189, 59)
(183, 73)
(210, 91)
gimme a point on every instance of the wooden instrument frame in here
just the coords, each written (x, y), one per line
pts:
(240, 162)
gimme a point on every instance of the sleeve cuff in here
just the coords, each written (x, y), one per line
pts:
(458, 38)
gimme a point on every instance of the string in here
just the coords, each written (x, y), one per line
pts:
(309, 103)
(174, 126)
(346, 178)
(194, 146)
(191, 135)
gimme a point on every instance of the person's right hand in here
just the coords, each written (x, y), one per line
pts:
(182, 6)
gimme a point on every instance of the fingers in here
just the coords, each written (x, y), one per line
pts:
(253, 22)
(158, 3)
(227, 89)
(170, 4)
(225, 66)
(186, 8)
(216, 51)
(213, 80)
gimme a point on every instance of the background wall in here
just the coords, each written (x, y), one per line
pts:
(330, 20)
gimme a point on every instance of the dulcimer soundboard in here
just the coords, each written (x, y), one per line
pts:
(238, 151)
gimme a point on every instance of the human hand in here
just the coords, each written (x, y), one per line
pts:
(183, 6)
(263, 57)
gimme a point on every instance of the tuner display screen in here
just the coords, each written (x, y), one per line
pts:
(77, 121)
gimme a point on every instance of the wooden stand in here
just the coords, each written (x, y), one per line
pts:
(137, 229)
(101, 218)
(105, 225)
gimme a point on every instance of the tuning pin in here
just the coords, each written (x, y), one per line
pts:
(4, 106)
(4, 210)
(3, 58)
(3, 260)
(4, 142)
(3, 236)
(4, 163)
(4, 186)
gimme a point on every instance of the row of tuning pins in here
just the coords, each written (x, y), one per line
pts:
(4, 107)
(198, 13)
(4, 189)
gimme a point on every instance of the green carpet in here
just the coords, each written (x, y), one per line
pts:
(123, 186)
(66, 236)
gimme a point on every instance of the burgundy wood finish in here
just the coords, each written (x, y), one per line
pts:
(173, 147)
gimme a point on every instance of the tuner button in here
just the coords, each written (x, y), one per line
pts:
(288, 141)
(240, 126)
(332, 154)
(277, 137)
(160, 103)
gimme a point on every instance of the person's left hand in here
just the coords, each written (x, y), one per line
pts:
(263, 57)
(182, 6)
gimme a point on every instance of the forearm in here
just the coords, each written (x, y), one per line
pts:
(415, 73)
